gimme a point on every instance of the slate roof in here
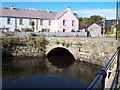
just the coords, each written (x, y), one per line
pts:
(26, 13)
(109, 23)
(94, 25)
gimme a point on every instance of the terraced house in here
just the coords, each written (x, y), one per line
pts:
(44, 21)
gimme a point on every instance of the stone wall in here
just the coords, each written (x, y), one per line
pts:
(27, 51)
(94, 50)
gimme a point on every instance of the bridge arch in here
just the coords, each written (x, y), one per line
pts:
(60, 57)
(58, 50)
(74, 50)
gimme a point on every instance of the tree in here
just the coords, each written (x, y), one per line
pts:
(86, 22)
(32, 24)
(96, 19)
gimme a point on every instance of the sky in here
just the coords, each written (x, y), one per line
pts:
(83, 9)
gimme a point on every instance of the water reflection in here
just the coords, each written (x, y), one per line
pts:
(40, 73)
(20, 67)
(65, 57)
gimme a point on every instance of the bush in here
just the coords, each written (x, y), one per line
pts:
(66, 44)
(63, 43)
(9, 41)
(80, 43)
(57, 42)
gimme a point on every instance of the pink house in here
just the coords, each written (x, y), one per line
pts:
(65, 21)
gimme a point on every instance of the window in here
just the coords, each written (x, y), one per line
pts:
(64, 22)
(43, 30)
(73, 22)
(8, 20)
(21, 21)
(49, 22)
(30, 21)
(41, 22)
(63, 30)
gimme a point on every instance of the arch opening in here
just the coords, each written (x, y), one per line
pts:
(60, 57)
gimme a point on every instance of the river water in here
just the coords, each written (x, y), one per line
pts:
(44, 73)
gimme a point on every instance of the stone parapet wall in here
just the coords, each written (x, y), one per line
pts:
(94, 50)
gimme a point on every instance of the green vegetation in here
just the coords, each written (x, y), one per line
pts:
(57, 42)
(9, 41)
(32, 24)
(93, 44)
(110, 32)
(66, 44)
(119, 30)
(86, 22)
(80, 43)
(41, 43)
(38, 43)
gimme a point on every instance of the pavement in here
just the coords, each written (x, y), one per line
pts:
(109, 80)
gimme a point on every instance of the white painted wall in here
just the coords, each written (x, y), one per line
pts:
(45, 25)
(54, 26)
(95, 30)
(3, 23)
(25, 23)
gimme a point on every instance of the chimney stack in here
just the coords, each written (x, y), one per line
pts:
(11, 7)
(68, 8)
(48, 10)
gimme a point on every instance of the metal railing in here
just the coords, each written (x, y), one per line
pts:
(99, 81)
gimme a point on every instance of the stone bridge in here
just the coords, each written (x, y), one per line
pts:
(93, 50)
(73, 49)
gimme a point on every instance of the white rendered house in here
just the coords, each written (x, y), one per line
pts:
(44, 21)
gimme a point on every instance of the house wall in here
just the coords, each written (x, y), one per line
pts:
(54, 26)
(68, 16)
(38, 26)
(25, 23)
(45, 25)
(95, 31)
(3, 23)
(15, 24)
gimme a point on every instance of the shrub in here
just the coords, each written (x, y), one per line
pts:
(66, 44)
(57, 42)
(93, 44)
(9, 41)
(63, 43)
(80, 43)
(40, 43)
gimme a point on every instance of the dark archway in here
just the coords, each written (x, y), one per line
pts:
(60, 57)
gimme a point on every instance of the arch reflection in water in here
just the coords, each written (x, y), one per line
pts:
(60, 57)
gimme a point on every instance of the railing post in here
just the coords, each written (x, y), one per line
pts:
(103, 72)
(117, 68)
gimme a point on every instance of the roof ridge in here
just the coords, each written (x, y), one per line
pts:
(57, 16)
(20, 12)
